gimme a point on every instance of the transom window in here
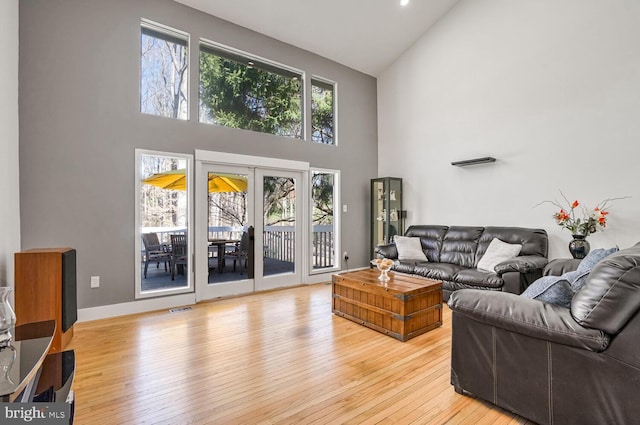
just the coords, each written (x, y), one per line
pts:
(164, 71)
(243, 92)
(322, 112)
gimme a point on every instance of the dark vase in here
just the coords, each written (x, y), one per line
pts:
(579, 247)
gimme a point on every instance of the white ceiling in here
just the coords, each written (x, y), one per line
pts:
(367, 35)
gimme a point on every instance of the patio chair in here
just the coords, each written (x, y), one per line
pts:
(240, 253)
(178, 253)
(154, 252)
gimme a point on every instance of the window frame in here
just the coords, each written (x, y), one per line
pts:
(259, 62)
(334, 86)
(174, 35)
(139, 294)
(337, 233)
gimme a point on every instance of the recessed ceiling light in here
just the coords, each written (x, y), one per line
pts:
(404, 2)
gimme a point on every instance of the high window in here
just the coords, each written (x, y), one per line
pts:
(243, 92)
(164, 71)
(322, 112)
(324, 186)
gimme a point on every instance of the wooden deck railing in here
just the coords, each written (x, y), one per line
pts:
(279, 241)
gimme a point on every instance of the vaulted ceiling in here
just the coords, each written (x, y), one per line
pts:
(367, 35)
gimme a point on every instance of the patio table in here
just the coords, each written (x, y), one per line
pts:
(221, 246)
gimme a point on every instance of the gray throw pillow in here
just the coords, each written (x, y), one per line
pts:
(498, 252)
(409, 249)
(552, 290)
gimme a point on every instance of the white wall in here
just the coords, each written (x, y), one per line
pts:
(9, 190)
(550, 88)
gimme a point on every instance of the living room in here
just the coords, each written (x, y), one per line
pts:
(548, 89)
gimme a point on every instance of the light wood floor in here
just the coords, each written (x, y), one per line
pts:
(270, 358)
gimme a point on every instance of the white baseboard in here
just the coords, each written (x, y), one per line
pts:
(140, 306)
(152, 304)
(320, 278)
(326, 277)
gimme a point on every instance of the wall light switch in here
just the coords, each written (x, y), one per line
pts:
(344, 208)
(95, 281)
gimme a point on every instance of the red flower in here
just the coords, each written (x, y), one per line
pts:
(575, 204)
(561, 216)
(601, 216)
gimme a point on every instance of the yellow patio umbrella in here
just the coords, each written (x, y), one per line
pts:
(177, 180)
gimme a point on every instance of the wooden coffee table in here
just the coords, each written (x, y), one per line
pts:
(405, 307)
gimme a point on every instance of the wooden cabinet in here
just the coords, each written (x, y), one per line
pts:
(387, 215)
(45, 289)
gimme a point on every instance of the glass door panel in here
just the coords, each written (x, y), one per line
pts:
(163, 258)
(225, 266)
(279, 220)
(324, 255)
(278, 233)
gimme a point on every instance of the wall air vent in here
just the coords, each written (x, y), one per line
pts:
(475, 161)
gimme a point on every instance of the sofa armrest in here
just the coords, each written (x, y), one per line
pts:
(560, 266)
(523, 264)
(528, 317)
(387, 251)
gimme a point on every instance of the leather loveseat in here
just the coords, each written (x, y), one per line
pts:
(454, 252)
(552, 364)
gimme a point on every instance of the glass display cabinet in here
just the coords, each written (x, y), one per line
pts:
(387, 215)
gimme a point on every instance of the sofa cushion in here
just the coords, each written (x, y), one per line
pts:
(431, 237)
(612, 292)
(551, 290)
(405, 266)
(409, 248)
(475, 277)
(497, 252)
(437, 271)
(533, 241)
(460, 244)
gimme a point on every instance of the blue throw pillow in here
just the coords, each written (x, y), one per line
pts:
(588, 263)
(559, 290)
(578, 282)
(594, 258)
(552, 290)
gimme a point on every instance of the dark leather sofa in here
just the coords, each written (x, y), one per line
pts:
(453, 254)
(551, 364)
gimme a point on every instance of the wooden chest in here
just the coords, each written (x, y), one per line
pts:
(404, 307)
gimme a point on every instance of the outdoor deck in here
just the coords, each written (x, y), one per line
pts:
(278, 246)
(157, 278)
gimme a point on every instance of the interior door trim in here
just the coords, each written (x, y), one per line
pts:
(234, 159)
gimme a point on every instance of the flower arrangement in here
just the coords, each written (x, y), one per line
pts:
(591, 220)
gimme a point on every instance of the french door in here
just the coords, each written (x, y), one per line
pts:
(248, 229)
(224, 219)
(279, 236)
